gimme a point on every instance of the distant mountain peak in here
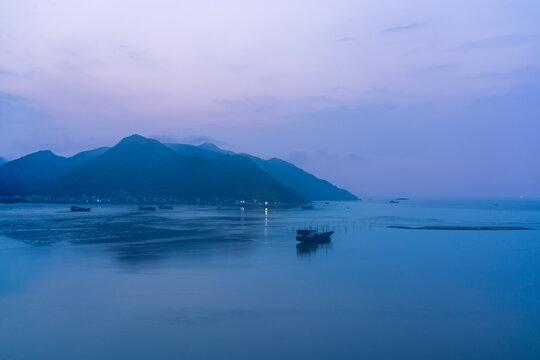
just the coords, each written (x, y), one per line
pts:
(136, 139)
(210, 146)
(41, 154)
(44, 152)
(138, 144)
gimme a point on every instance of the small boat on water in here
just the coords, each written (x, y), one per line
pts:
(313, 236)
(393, 202)
(166, 207)
(147, 208)
(79, 209)
(307, 207)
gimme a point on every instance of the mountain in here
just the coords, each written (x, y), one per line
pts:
(214, 149)
(302, 182)
(2, 160)
(37, 172)
(31, 173)
(144, 167)
(84, 156)
(192, 150)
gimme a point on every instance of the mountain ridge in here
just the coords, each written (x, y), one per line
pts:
(145, 167)
(288, 174)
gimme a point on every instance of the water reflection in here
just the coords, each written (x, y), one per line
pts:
(309, 249)
(132, 236)
(135, 282)
(147, 252)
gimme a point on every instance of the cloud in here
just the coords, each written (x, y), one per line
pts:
(502, 41)
(459, 147)
(22, 127)
(522, 75)
(433, 69)
(257, 77)
(403, 28)
(345, 39)
(270, 108)
(17, 108)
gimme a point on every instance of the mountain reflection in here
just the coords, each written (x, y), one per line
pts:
(132, 236)
(148, 252)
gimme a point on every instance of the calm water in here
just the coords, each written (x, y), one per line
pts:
(207, 283)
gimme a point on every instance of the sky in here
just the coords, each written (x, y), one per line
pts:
(384, 98)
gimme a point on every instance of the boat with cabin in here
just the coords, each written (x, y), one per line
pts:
(307, 235)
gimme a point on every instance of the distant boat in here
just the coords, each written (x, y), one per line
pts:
(313, 236)
(307, 207)
(79, 209)
(147, 208)
(394, 202)
(166, 207)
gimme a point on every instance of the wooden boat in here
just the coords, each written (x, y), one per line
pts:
(166, 207)
(147, 208)
(313, 236)
(79, 209)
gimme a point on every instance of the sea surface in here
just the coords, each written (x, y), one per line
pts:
(422, 279)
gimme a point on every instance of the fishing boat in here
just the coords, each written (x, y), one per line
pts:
(313, 236)
(166, 207)
(79, 209)
(147, 208)
(307, 207)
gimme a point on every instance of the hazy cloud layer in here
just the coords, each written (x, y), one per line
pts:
(428, 85)
(402, 28)
(504, 40)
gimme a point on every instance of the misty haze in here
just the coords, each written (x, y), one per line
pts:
(269, 180)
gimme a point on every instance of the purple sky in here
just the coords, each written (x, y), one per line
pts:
(393, 97)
